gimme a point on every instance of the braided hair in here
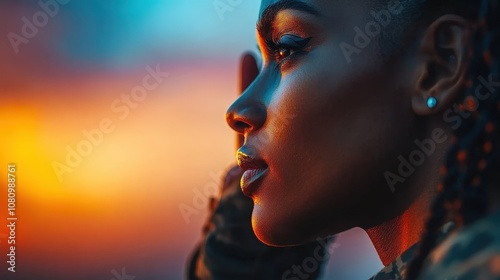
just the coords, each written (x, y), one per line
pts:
(462, 192)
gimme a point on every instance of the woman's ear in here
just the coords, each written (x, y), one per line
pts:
(442, 65)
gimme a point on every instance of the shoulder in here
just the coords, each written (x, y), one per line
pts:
(471, 253)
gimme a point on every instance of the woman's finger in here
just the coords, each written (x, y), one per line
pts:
(248, 72)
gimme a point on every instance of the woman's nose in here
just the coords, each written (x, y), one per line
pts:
(245, 115)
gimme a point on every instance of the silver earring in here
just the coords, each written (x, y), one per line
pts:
(432, 102)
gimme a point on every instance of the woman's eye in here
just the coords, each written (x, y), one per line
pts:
(283, 53)
(287, 46)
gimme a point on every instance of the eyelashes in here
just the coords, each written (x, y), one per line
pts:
(287, 47)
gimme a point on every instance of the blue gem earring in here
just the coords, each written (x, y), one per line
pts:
(432, 102)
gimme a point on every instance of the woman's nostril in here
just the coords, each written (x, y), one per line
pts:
(241, 126)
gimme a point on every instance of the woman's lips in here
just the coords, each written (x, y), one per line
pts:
(250, 180)
(255, 169)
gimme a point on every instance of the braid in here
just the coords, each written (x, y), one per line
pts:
(462, 193)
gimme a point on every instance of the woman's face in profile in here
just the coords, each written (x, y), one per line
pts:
(324, 124)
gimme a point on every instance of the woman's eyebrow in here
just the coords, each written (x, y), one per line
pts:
(268, 16)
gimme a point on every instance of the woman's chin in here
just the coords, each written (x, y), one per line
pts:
(273, 231)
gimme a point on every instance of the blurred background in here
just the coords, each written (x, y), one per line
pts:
(113, 113)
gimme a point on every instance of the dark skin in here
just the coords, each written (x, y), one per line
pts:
(345, 125)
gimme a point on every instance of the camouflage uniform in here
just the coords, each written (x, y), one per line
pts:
(396, 269)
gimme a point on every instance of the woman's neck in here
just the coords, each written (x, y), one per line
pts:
(394, 237)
